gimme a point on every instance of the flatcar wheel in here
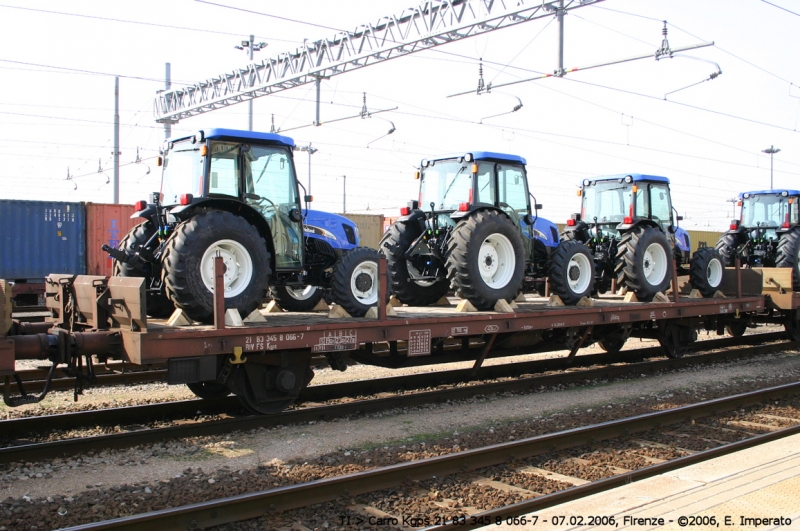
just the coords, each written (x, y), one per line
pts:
(736, 328)
(669, 336)
(268, 389)
(792, 325)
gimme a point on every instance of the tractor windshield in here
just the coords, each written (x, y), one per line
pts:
(183, 172)
(770, 211)
(445, 183)
(607, 201)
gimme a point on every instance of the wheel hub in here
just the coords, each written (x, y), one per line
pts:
(574, 272)
(363, 282)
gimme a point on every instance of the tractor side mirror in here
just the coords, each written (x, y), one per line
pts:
(295, 215)
(537, 206)
(308, 198)
(679, 218)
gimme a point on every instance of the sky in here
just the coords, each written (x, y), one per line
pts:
(59, 59)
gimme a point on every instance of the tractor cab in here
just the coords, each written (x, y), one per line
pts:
(768, 211)
(224, 168)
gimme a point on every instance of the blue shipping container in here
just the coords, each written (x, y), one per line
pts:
(41, 237)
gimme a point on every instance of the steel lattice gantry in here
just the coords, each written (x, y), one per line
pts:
(416, 29)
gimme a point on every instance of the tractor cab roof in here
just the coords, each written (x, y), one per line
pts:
(635, 177)
(480, 155)
(745, 195)
(239, 135)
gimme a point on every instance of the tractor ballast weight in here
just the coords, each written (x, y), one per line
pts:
(629, 226)
(766, 233)
(474, 230)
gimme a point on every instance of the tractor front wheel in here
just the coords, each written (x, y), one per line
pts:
(572, 271)
(788, 254)
(354, 285)
(484, 259)
(188, 265)
(300, 299)
(402, 275)
(706, 271)
(644, 262)
(158, 304)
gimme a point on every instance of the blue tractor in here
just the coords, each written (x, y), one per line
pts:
(767, 232)
(475, 230)
(627, 222)
(234, 194)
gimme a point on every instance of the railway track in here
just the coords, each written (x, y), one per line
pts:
(534, 472)
(313, 411)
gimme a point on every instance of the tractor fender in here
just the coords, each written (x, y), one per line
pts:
(458, 215)
(340, 232)
(238, 208)
(148, 213)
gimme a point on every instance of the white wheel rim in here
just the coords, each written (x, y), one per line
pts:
(714, 273)
(367, 293)
(655, 264)
(580, 268)
(238, 266)
(302, 294)
(496, 261)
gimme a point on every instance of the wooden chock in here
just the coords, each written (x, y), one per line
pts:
(337, 312)
(555, 300)
(390, 311)
(695, 294)
(465, 306)
(585, 301)
(623, 290)
(321, 306)
(255, 317)
(232, 317)
(521, 298)
(513, 304)
(372, 313)
(273, 307)
(394, 302)
(178, 318)
(442, 302)
(630, 297)
(719, 295)
(660, 297)
(503, 306)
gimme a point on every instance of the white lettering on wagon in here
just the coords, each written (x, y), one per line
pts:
(419, 342)
(556, 325)
(334, 340)
(459, 330)
(491, 329)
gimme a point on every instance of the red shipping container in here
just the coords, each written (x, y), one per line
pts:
(105, 224)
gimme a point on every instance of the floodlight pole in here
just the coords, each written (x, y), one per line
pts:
(770, 151)
(311, 151)
(251, 47)
(116, 152)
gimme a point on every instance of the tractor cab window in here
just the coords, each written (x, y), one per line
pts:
(794, 210)
(224, 171)
(183, 172)
(446, 183)
(271, 188)
(512, 190)
(660, 210)
(607, 201)
(642, 206)
(485, 179)
(764, 210)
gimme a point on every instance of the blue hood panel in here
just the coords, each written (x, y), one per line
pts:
(682, 240)
(543, 230)
(331, 228)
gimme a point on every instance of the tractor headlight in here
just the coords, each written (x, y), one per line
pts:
(586, 182)
(628, 179)
(746, 196)
(200, 136)
(784, 193)
(424, 163)
(468, 157)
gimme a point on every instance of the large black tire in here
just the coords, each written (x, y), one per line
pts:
(188, 271)
(302, 299)
(354, 285)
(395, 243)
(485, 259)
(706, 271)
(644, 262)
(158, 304)
(788, 254)
(571, 271)
(726, 247)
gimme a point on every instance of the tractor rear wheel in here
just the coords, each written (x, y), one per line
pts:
(788, 254)
(354, 285)
(706, 271)
(158, 304)
(402, 274)
(188, 265)
(300, 299)
(484, 259)
(726, 246)
(644, 262)
(572, 271)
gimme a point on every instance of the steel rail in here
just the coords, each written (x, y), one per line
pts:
(75, 446)
(253, 505)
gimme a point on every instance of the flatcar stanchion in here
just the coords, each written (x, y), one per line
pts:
(219, 293)
(676, 296)
(383, 286)
(738, 264)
